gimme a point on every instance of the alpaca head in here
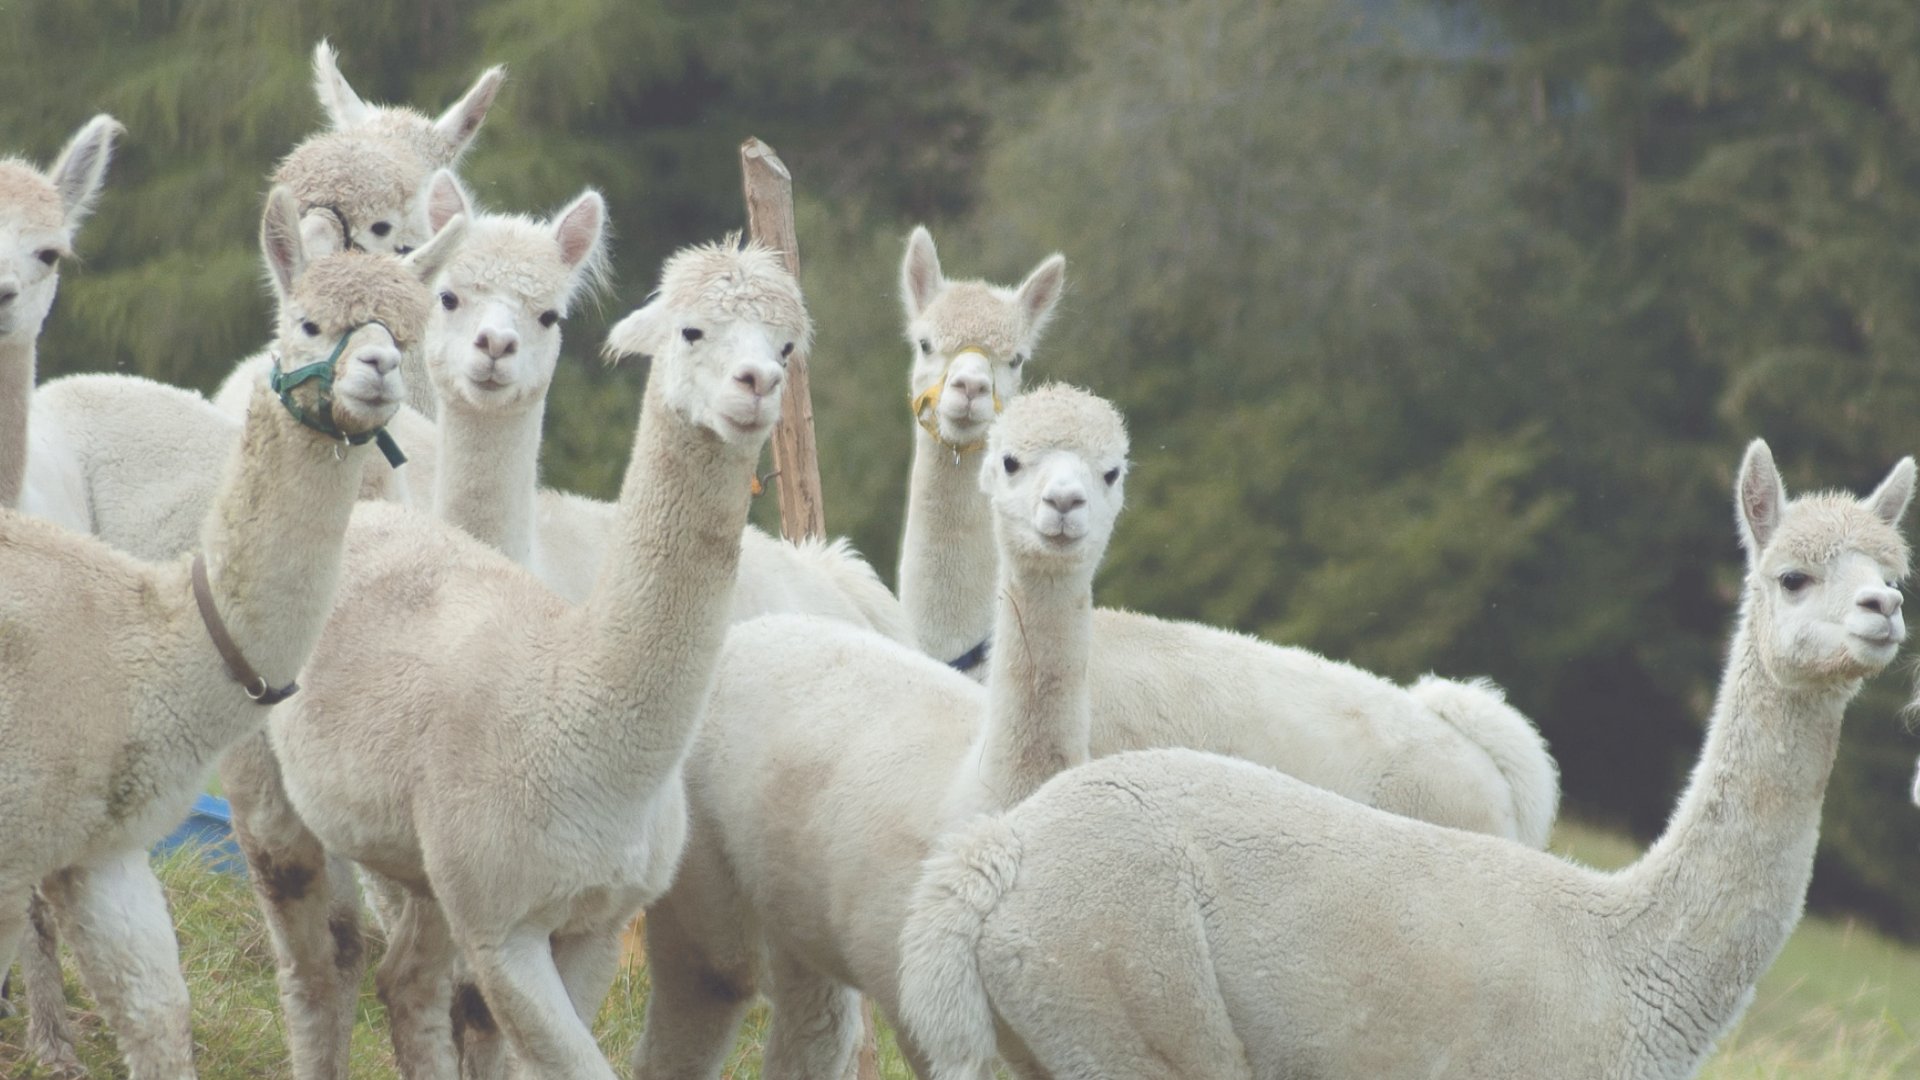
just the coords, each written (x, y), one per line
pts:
(493, 338)
(39, 213)
(438, 142)
(1823, 573)
(970, 340)
(721, 328)
(357, 191)
(351, 311)
(1056, 475)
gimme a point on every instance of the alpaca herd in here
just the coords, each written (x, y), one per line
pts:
(1066, 840)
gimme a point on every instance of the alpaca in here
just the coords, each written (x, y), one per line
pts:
(1453, 753)
(39, 214)
(157, 702)
(830, 759)
(1177, 914)
(365, 180)
(532, 801)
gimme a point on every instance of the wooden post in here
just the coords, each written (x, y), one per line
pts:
(796, 457)
(796, 461)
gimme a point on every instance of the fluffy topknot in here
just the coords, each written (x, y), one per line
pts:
(1060, 416)
(365, 178)
(350, 288)
(729, 280)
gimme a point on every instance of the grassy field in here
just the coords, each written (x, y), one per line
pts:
(1842, 1002)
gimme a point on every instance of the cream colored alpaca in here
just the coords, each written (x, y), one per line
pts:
(830, 759)
(39, 214)
(532, 800)
(1177, 914)
(151, 706)
(1449, 752)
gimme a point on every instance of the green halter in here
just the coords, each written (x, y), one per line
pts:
(321, 420)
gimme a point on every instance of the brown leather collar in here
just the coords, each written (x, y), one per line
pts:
(254, 683)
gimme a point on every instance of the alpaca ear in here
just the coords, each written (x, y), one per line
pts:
(1041, 292)
(320, 234)
(430, 258)
(446, 199)
(343, 107)
(82, 167)
(462, 120)
(919, 273)
(1889, 500)
(646, 332)
(1760, 495)
(581, 231)
(280, 241)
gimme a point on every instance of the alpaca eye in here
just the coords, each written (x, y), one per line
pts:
(312, 328)
(381, 228)
(1011, 464)
(1793, 581)
(48, 256)
(787, 349)
(692, 334)
(1113, 476)
(448, 300)
(549, 317)
(1019, 359)
(926, 347)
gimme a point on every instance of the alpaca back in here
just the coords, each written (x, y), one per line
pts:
(1158, 683)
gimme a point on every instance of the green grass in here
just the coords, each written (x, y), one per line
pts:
(1842, 1003)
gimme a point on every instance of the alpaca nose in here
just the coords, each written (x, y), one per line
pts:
(8, 290)
(381, 359)
(969, 384)
(761, 381)
(1066, 500)
(497, 343)
(1880, 601)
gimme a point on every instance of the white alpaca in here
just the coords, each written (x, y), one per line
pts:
(508, 298)
(1177, 914)
(39, 215)
(124, 651)
(830, 759)
(1449, 752)
(531, 802)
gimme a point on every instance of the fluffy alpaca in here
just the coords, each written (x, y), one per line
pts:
(830, 759)
(532, 802)
(366, 181)
(1449, 752)
(157, 703)
(1178, 914)
(39, 214)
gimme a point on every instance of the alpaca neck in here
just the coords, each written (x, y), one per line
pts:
(16, 396)
(1039, 709)
(273, 539)
(487, 476)
(948, 561)
(1723, 887)
(658, 610)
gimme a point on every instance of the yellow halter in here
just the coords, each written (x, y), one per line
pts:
(926, 403)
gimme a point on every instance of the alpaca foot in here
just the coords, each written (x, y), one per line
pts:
(56, 1057)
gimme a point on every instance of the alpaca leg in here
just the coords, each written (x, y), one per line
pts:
(315, 930)
(528, 1000)
(816, 1024)
(588, 961)
(48, 1039)
(696, 1004)
(115, 914)
(477, 1039)
(13, 927)
(415, 984)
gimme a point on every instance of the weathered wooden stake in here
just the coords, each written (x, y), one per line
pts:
(796, 457)
(796, 461)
